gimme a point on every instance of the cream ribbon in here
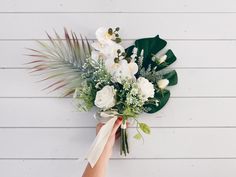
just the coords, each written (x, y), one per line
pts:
(101, 139)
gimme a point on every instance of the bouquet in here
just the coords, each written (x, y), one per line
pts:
(121, 83)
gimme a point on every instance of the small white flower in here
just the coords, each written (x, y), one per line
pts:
(146, 88)
(105, 98)
(163, 83)
(123, 70)
(162, 59)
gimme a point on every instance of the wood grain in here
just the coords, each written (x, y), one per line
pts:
(192, 83)
(162, 143)
(117, 6)
(135, 167)
(191, 54)
(58, 112)
(169, 26)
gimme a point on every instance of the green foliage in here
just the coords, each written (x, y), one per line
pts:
(100, 77)
(129, 112)
(84, 97)
(129, 101)
(144, 127)
(151, 74)
(138, 136)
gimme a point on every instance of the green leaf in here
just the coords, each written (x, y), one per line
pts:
(172, 77)
(145, 128)
(151, 46)
(163, 97)
(138, 136)
(171, 58)
(129, 51)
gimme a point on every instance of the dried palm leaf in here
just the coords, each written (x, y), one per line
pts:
(62, 60)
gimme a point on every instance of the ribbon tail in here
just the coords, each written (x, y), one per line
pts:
(100, 141)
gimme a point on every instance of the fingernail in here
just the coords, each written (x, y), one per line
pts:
(120, 118)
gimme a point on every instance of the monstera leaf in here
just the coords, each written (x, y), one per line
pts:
(151, 46)
(172, 77)
(162, 97)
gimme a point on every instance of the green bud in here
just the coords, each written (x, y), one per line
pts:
(116, 60)
(116, 35)
(118, 40)
(118, 51)
(117, 28)
(123, 54)
(110, 31)
(128, 59)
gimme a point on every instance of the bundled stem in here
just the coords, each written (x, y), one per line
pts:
(124, 146)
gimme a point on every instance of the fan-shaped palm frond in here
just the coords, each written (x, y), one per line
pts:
(63, 60)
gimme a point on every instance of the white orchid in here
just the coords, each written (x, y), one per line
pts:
(107, 53)
(103, 36)
(105, 48)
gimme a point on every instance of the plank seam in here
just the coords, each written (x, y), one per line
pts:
(161, 158)
(130, 39)
(184, 68)
(53, 97)
(117, 12)
(153, 127)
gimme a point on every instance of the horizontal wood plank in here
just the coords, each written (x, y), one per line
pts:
(117, 6)
(169, 26)
(162, 143)
(179, 112)
(192, 83)
(202, 54)
(137, 168)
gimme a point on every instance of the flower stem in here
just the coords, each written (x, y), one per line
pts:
(124, 140)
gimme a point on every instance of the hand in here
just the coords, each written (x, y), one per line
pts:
(114, 135)
(100, 168)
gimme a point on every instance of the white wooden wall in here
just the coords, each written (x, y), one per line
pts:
(194, 135)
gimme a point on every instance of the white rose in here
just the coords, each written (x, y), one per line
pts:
(163, 83)
(103, 36)
(105, 98)
(146, 88)
(162, 59)
(123, 70)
